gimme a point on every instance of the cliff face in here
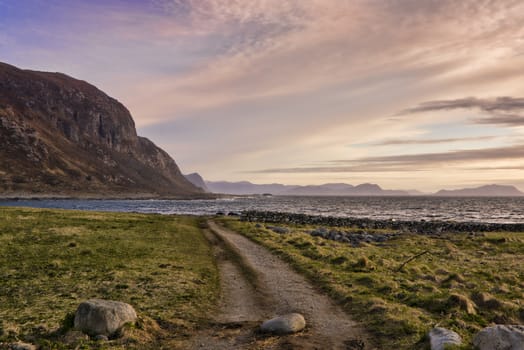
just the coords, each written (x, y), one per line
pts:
(63, 136)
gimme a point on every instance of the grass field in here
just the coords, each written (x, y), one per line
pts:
(52, 260)
(463, 282)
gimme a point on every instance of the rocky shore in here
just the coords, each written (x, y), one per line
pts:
(419, 227)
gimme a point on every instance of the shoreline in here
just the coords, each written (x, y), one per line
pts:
(418, 227)
(21, 197)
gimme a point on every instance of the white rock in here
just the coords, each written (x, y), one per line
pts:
(500, 337)
(440, 337)
(104, 317)
(290, 323)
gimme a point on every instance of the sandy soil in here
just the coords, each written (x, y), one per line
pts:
(257, 286)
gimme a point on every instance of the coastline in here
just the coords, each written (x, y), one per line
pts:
(412, 226)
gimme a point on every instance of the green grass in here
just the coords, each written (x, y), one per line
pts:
(464, 283)
(51, 260)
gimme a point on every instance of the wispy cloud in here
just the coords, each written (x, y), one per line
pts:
(432, 141)
(505, 110)
(410, 162)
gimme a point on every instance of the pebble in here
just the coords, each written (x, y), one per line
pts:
(285, 324)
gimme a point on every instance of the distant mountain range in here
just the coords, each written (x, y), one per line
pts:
(483, 191)
(341, 189)
(330, 189)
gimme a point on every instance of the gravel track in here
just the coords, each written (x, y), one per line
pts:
(257, 285)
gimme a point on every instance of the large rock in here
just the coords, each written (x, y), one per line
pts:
(22, 346)
(105, 317)
(500, 337)
(439, 338)
(290, 323)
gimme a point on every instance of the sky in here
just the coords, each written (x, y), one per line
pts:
(411, 94)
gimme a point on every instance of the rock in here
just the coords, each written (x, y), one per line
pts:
(22, 346)
(277, 229)
(290, 323)
(500, 337)
(439, 338)
(319, 232)
(101, 337)
(104, 317)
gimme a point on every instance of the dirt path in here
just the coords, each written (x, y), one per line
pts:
(257, 286)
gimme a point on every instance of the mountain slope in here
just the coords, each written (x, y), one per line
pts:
(197, 180)
(63, 136)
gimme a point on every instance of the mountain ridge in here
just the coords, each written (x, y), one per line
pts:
(343, 189)
(329, 189)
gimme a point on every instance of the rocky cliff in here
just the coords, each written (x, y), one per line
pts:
(62, 136)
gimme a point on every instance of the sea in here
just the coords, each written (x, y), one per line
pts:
(460, 209)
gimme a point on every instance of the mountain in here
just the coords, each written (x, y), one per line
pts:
(331, 189)
(197, 180)
(62, 136)
(483, 191)
(245, 188)
(341, 189)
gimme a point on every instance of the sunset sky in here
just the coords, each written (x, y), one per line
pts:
(407, 94)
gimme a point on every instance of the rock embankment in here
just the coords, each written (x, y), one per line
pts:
(355, 238)
(419, 227)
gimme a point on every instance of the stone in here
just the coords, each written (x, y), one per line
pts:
(439, 338)
(105, 317)
(278, 229)
(285, 324)
(101, 337)
(500, 337)
(22, 346)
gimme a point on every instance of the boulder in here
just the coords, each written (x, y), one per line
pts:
(22, 346)
(278, 229)
(286, 324)
(439, 338)
(500, 337)
(105, 317)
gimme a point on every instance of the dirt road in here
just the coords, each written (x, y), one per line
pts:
(257, 286)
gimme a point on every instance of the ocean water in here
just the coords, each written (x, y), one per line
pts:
(492, 209)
